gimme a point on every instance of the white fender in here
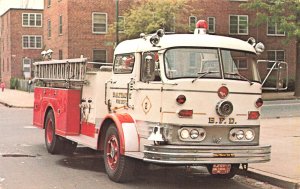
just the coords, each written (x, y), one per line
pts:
(131, 137)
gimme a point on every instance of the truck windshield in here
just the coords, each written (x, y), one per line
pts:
(240, 65)
(201, 63)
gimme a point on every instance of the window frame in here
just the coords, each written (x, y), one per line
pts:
(119, 25)
(93, 53)
(276, 59)
(35, 41)
(35, 20)
(106, 23)
(49, 30)
(60, 54)
(123, 55)
(192, 28)
(238, 24)
(275, 29)
(214, 24)
(29, 63)
(238, 64)
(49, 3)
(60, 25)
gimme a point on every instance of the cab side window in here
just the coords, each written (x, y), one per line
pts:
(150, 67)
(124, 63)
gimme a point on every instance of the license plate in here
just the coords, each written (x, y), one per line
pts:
(221, 169)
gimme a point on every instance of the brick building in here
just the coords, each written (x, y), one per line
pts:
(72, 28)
(21, 41)
(227, 18)
(81, 27)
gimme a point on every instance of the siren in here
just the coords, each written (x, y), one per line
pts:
(201, 27)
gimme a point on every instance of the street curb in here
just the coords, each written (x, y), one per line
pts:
(275, 99)
(270, 178)
(12, 106)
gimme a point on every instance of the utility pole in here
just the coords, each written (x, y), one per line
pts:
(117, 22)
(297, 80)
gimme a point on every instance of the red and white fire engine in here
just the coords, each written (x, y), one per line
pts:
(177, 99)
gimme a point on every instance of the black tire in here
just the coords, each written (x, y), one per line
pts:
(69, 147)
(118, 167)
(232, 173)
(53, 142)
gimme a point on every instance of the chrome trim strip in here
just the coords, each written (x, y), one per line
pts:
(200, 91)
(174, 154)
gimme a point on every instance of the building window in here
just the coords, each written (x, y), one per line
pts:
(238, 24)
(172, 26)
(275, 55)
(60, 54)
(192, 23)
(121, 24)
(31, 20)
(49, 28)
(241, 64)
(211, 24)
(26, 65)
(99, 22)
(7, 66)
(99, 56)
(32, 42)
(60, 25)
(273, 28)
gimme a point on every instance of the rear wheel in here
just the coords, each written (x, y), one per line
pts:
(118, 167)
(223, 171)
(53, 142)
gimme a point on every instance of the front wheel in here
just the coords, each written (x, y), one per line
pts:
(223, 171)
(53, 142)
(118, 167)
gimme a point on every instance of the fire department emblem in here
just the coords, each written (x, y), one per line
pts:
(146, 105)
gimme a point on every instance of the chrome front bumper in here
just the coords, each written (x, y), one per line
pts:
(174, 154)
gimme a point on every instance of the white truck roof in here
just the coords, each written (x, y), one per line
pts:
(183, 40)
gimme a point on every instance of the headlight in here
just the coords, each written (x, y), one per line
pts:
(240, 135)
(249, 135)
(184, 133)
(191, 134)
(194, 134)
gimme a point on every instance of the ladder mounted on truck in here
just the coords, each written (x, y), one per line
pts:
(66, 73)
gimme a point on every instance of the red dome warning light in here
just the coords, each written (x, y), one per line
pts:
(201, 27)
(202, 24)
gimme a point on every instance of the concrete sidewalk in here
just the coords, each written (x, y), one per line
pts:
(283, 134)
(278, 96)
(284, 168)
(17, 99)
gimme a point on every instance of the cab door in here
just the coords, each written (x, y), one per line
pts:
(118, 94)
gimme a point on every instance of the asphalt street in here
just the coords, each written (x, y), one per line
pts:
(26, 164)
(281, 108)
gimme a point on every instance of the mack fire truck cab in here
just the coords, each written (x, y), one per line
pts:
(179, 99)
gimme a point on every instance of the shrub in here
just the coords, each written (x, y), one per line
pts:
(14, 83)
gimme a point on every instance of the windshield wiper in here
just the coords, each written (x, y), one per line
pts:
(202, 74)
(241, 77)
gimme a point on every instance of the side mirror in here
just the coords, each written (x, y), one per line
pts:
(277, 76)
(148, 67)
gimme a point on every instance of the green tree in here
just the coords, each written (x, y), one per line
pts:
(150, 15)
(286, 13)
